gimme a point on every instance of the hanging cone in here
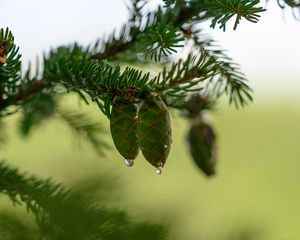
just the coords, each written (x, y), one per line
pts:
(3, 58)
(202, 145)
(123, 128)
(154, 131)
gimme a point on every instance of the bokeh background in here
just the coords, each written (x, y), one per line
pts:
(255, 194)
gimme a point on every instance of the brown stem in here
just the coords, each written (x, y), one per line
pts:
(115, 48)
(24, 94)
(185, 79)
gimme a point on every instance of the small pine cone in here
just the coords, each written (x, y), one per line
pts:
(123, 128)
(3, 58)
(154, 131)
(202, 145)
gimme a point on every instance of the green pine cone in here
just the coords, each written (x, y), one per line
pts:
(123, 128)
(202, 143)
(154, 131)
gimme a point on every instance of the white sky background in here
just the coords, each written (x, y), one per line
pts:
(268, 51)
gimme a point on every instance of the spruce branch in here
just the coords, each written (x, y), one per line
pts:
(221, 11)
(44, 106)
(25, 93)
(15, 89)
(61, 213)
(99, 80)
(102, 82)
(290, 3)
(34, 112)
(176, 15)
(130, 34)
(109, 47)
(168, 3)
(157, 34)
(136, 11)
(160, 40)
(228, 78)
(83, 126)
(29, 190)
(151, 33)
(184, 76)
(72, 67)
(294, 5)
(10, 65)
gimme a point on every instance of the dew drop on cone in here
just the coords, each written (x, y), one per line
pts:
(129, 162)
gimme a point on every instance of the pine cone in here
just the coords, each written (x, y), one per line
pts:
(123, 127)
(202, 144)
(154, 131)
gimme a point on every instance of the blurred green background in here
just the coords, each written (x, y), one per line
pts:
(255, 194)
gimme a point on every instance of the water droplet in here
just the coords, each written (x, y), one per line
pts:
(129, 162)
(158, 171)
